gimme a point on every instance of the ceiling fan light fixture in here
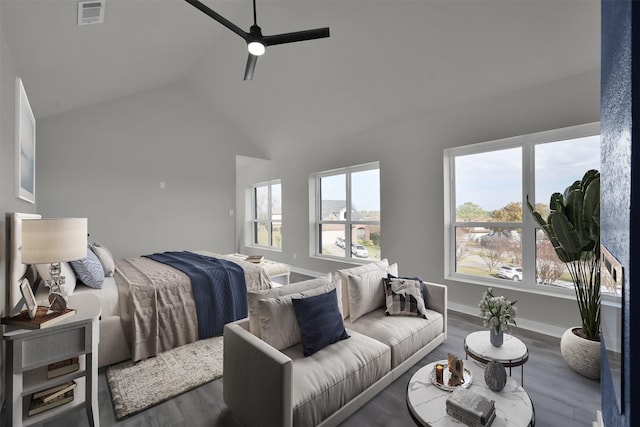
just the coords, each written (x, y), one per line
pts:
(256, 48)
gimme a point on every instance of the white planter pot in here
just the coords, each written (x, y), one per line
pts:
(582, 355)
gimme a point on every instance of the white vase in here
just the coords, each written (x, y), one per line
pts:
(581, 354)
(496, 337)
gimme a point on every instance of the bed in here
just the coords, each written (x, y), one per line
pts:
(139, 286)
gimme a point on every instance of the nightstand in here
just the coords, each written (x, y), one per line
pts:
(29, 351)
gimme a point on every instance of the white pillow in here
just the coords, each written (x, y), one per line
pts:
(343, 277)
(255, 296)
(278, 322)
(65, 270)
(105, 257)
(366, 291)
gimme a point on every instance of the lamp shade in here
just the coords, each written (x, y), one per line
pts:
(53, 240)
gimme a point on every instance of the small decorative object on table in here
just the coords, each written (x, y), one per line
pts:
(497, 313)
(471, 408)
(439, 373)
(456, 367)
(495, 376)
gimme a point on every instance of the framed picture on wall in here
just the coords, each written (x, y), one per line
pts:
(25, 146)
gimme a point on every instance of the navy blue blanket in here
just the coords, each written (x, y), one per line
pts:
(219, 288)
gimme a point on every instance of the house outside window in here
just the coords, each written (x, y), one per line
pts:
(267, 215)
(347, 212)
(490, 236)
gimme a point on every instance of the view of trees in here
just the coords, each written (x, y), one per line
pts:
(481, 251)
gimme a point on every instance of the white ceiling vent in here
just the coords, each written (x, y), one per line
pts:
(90, 12)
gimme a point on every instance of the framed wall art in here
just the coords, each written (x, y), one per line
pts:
(25, 146)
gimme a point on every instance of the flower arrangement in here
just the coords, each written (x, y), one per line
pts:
(497, 312)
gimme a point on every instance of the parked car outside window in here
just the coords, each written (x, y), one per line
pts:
(510, 272)
(340, 242)
(359, 250)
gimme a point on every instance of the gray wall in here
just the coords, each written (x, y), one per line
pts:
(8, 200)
(106, 163)
(411, 162)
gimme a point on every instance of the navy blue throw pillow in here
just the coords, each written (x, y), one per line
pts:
(319, 320)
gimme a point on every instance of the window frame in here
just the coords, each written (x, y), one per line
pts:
(527, 143)
(348, 222)
(255, 221)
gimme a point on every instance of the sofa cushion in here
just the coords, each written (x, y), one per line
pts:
(366, 290)
(254, 297)
(405, 296)
(404, 334)
(319, 320)
(328, 379)
(343, 278)
(278, 323)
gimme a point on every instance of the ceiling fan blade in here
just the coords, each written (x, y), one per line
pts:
(251, 65)
(221, 19)
(297, 36)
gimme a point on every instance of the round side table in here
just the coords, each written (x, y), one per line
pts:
(427, 403)
(512, 353)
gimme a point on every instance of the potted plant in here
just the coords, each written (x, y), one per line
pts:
(496, 314)
(573, 228)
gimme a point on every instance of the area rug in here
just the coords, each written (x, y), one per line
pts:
(138, 386)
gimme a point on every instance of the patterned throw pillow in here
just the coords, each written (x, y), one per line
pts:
(89, 270)
(405, 296)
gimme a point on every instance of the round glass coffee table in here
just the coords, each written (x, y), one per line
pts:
(427, 403)
(512, 353)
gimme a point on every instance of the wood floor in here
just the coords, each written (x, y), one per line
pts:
(561, 397)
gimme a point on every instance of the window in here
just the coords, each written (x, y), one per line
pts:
(347, 213)
(491, 238)
(267, 214)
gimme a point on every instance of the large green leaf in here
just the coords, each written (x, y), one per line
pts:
(556, 203)
(591, 209)
(565, 232)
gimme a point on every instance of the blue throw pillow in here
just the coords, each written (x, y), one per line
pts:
(89, 270)
(319, 320)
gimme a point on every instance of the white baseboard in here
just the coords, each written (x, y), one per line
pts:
(530, 325)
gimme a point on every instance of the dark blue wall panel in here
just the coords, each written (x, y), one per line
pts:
(620, 104)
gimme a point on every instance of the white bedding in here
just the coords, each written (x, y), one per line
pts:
(108, 296)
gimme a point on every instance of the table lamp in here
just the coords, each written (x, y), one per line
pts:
(52, 241)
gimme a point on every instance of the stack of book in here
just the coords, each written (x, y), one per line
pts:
(63, 367)
(471, 408)
(51, 398)
(256, 259)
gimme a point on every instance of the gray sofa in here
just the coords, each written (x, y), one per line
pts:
(268, 382)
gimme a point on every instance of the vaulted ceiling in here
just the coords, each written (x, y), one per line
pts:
(386, 60)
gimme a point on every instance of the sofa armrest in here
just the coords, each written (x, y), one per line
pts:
(258, 379)
(437, 300)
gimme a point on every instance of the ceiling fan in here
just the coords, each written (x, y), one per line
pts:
(256, 42)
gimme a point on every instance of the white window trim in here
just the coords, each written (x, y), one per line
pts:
(527, 142)
(315, 214)
(253, 220)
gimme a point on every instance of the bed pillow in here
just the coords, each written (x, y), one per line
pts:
(366, 291)
(278, 324)
(65, 270)
(255, 296)
(405, 296)
(106, 259)
(320, 321)
(343, 278)
(89, 270)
